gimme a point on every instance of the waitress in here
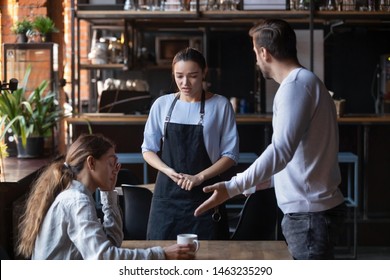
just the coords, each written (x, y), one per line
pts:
(199, 139)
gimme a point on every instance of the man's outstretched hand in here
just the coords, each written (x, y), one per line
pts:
(219, 196)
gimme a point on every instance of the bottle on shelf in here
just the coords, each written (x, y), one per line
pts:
(129, 5)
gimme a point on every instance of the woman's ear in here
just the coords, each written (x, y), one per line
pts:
(91, 162)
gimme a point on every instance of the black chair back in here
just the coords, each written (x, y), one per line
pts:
(259, 217)
(126, 176)
(137, 201)
(3, 254)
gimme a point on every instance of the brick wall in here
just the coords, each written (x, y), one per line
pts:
(84, 49)
(14, 10)
(60, 12)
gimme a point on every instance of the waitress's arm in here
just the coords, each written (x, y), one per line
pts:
(220, 166)
(155, 161)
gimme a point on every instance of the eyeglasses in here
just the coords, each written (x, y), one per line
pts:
(113, 163)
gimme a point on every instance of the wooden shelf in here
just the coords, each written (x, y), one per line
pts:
(131, 15)
(355, 15)
(136, 23)
(89, 66)
(101, 17)
(241, 119)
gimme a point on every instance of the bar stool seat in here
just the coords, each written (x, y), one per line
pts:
(352, 192)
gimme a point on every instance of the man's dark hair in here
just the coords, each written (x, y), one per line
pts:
(276, 36)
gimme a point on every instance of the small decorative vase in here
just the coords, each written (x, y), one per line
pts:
(21, 38)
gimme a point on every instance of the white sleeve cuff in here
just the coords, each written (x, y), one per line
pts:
(250, 190)
(232, 188)
(109, 198)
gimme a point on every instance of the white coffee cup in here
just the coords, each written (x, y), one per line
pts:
(188, 238)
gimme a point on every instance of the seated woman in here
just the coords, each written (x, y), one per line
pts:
(61, 222)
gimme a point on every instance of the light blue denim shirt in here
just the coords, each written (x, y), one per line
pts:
(71, 229)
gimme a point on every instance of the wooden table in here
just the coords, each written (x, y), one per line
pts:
(225, 249)
(147, 186)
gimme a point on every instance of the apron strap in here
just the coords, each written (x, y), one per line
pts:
(202, 103)
(168, 117)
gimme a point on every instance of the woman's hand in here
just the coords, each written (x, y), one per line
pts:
(187, 182)
(179, 252)
(171, 173)
(154, 160)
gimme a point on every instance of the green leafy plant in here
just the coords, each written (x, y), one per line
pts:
(44, 25)
(22, 26)
(3, 155)
(34, 114)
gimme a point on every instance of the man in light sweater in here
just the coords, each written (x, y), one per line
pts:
(301, 161)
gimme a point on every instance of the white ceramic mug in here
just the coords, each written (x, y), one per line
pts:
(188, 238)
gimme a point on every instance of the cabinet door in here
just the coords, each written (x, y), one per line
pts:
(43, 59)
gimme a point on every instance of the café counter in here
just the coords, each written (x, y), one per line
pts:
(255, 130)
(117, 119)
(366, 136)
(127, 130)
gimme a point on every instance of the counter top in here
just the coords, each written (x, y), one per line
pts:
(117, 119)
(17, 169)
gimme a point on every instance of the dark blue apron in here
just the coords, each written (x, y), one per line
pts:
(172, 210)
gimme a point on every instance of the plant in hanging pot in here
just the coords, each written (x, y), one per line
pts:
(45, 26)
(20, 28)
(31, 116)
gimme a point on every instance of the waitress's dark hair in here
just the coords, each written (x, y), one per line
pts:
(54, 179)
(190, 54)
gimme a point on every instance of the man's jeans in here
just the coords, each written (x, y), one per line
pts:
(313, 235)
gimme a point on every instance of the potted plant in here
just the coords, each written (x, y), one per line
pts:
(20, 28)
(44, 25)
(3, 152)
(31, 116)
